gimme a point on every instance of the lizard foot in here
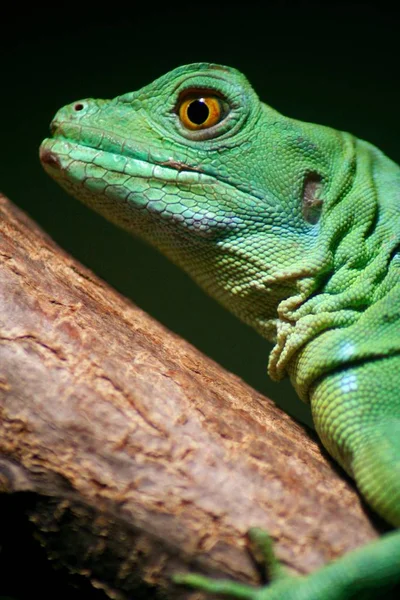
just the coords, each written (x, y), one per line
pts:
(261, 547)
(370, 572)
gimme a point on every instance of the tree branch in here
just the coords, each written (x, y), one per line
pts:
(146, 458)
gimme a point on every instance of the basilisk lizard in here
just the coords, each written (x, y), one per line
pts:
(295, 228)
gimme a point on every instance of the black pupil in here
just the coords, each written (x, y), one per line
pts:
(198, 112)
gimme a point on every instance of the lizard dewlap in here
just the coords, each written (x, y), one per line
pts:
(292, 226)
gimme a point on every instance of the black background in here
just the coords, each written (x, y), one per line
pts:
(335, 64)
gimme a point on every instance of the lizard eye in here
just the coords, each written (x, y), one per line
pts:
(201, 111)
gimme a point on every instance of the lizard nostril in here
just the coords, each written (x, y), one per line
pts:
(79, 106)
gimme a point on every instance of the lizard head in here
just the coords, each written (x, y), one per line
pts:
(196, 165)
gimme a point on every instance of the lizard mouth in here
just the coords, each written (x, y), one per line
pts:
(119, 186)
(109, 145)
(61, 158)
(51, 159)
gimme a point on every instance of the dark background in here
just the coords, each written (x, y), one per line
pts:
(331, 64)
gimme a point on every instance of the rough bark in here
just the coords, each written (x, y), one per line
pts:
(144, 456)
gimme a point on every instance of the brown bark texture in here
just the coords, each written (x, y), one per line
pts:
(146, 458)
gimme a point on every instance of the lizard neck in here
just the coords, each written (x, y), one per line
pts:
(358, 289)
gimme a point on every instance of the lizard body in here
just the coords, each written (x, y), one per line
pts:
(295, 228)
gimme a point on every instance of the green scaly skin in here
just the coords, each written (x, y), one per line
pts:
(295, 228)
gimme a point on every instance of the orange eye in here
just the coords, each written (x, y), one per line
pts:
(200, 112)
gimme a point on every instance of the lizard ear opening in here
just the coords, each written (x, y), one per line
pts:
(311, 198)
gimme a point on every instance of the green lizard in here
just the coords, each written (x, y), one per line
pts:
(295, 228)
